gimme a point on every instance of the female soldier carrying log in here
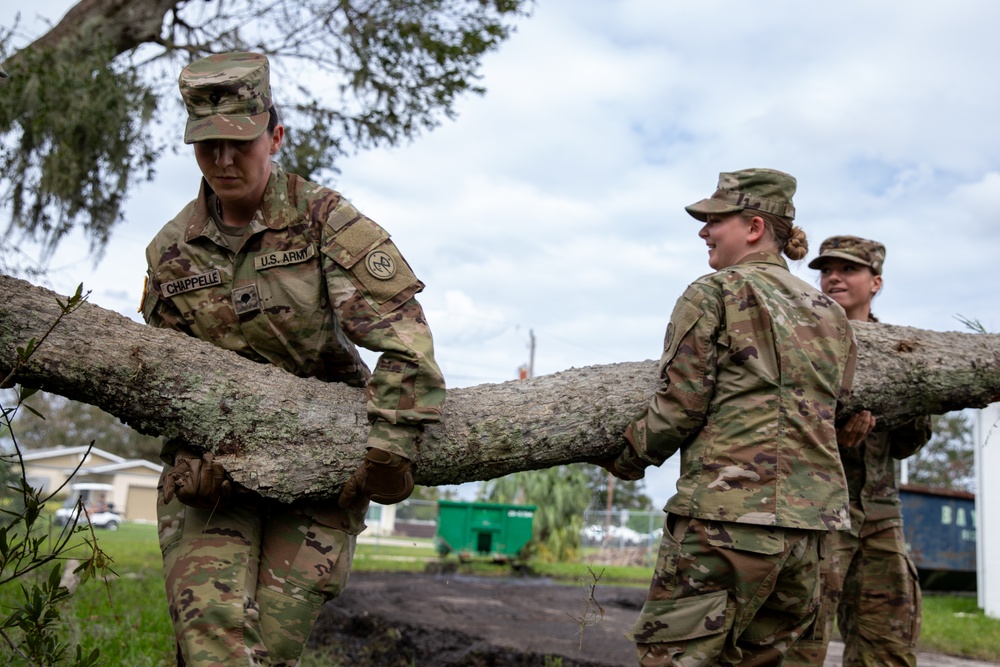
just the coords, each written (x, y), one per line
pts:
(754, 364)
(868, 579)
(286, 272)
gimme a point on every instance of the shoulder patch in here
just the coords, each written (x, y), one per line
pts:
(145, 292)
(360, 236)
(342, 214)
(150, 297)
(380, 264)
(349, 245)
(385, 277)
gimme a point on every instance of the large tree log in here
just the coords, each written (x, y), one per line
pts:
(291, 437)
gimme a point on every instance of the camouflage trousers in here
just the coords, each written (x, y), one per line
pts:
(871, 586)
(728, 594)
(246, 582)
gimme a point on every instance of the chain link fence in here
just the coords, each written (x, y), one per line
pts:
(622, 537)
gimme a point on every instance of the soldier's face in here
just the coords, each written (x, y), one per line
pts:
(726, 236)
(851, 285)
(238, 170)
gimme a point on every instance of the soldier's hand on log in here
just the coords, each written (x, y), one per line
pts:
(383, 477)
(627, 464)
(197, 480)
(856, 429)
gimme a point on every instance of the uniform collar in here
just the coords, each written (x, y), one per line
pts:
(764, 257)
(275, 196)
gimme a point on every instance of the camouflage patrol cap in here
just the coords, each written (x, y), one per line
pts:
(227, 96)
(853, 249)
(759, 189)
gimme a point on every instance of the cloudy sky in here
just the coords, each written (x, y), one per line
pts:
(553, 205)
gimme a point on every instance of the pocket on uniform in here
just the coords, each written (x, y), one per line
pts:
(674, 529)
(662, 621)
(169, 516)
(310, 562)
(916, 600)
(745, 537)
(675, 526)
(350, 520)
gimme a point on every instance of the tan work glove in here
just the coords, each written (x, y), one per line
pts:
(197, 481)
(383, 477)
(625, 465)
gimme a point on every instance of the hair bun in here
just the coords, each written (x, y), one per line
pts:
(797, 245)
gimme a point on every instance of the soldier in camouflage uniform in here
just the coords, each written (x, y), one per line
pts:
(870, 581)
(755, 363)
(285, 272)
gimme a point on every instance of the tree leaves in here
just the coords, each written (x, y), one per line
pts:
(76, 140)
(76, 113)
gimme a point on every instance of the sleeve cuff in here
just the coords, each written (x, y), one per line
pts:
(398, 439)
(629, 466)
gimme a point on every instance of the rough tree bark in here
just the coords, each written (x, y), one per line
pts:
(290, 437)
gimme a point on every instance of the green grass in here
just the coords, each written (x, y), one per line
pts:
(127, 618)
(609, 575)
(956, 626)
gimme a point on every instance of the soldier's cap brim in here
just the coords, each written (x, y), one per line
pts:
(818, 262)
(222, 126)
(706, 207)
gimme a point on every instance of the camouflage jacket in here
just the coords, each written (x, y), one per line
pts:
(754, 365)
(871, 474)
(312, 278)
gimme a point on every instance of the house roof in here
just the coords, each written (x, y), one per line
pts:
(114, 462)
(53, 452)
(124, 465)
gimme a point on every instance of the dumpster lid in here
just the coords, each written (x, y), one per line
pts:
(484, 505)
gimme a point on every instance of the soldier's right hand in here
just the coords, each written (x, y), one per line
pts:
(197, 480)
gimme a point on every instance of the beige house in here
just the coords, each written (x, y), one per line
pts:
(134, 480)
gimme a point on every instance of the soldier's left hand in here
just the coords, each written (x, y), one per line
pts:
(856, 429)
(197, 480)
(626, 464)
(383, 477)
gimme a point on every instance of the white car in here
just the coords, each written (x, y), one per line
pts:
(106, 519)
(94, 498)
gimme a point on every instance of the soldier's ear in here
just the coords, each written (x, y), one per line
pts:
(276, 138)
(755, 229)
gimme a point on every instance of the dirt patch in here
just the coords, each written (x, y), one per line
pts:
(399, 620)
(449, 620)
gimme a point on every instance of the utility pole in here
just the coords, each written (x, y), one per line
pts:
(527, 371)
(531, 357)
(607, 514)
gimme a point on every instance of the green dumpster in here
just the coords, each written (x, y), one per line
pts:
(484, 529)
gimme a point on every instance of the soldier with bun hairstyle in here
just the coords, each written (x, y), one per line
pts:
(754, 367)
